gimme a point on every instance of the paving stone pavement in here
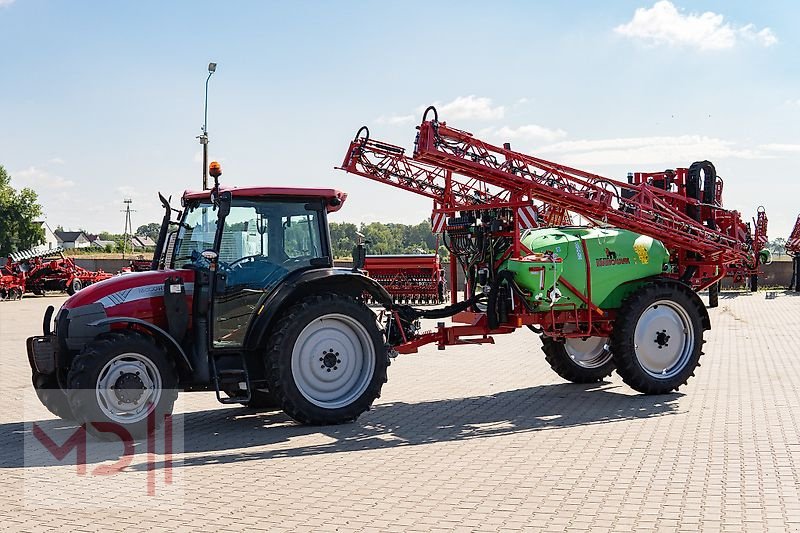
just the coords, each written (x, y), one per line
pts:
(471, 438)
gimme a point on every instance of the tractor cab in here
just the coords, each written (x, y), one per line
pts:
(250, 240)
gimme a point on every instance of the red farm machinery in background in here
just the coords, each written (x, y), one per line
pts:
(409, 278)
(12, 283)
(48, 270)
(793, 249)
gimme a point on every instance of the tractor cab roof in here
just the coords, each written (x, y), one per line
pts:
(333, 198)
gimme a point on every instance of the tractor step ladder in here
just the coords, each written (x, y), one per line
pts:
(231, 378)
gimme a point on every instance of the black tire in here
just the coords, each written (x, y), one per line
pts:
(559, 359)
(280, 359)
(86, 370)
(259, 399)
(754, 283)
(52, 395)
(263, 399)
(713, 295)
(681, 309)
(74, 287)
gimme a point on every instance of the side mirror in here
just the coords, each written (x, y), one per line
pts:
(225, 199)
(359, 253)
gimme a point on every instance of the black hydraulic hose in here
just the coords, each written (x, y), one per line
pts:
(491, 307)
(687, 275)
(435, 114)
(409, 313)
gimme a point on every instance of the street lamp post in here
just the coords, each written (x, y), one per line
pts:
(212, 67)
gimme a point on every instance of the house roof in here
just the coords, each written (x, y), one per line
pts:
(70, 236)
(144, 240)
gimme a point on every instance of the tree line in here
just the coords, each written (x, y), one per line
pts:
(19, 210)
(383, 238)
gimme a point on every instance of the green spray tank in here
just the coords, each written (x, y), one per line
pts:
(555, 274)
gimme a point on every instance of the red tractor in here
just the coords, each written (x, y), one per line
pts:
(243, 299)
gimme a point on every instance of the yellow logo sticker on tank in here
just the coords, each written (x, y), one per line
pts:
(641, 251)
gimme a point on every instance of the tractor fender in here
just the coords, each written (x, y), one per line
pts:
(336, 280)
(166, 339)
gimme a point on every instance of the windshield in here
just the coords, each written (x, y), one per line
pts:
(196, 232)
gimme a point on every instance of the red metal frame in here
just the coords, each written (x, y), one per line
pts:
(643, 208)
(793, 243)
(408, 278)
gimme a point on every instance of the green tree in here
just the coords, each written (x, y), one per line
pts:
(777, 246)
(151, 230)
(18, 211)
(343, 238)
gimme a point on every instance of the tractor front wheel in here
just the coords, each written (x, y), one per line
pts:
(658, 337)
(118, 381)
(579, 360)
(52, 395)
(326, 359)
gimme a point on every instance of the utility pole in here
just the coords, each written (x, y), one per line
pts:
(212, 67)
(128, 234)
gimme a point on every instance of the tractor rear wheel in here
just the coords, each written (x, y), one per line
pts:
(754, 283)
(579, 360)
(658, 337)
(326, 359)
(259, 399)
(119, 380)
(52, 395)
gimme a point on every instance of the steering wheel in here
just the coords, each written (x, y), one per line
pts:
(298, 259)
(239, 263)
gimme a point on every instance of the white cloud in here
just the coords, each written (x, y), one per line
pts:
(793, 103)
(6, 3)
(38, 179)
(647, 150)
(666, 24)
(395, 120)
(525, 133)
(126, 191)
(522, 100)
(56, 160)
(779, 147)
(470, 107)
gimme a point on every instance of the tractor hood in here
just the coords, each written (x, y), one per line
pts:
(136, 295)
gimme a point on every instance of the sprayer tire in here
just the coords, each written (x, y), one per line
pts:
(571, 368)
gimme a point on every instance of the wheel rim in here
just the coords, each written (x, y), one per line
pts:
(128, 388)
(591, 352)
(663, 339)
(333, 361)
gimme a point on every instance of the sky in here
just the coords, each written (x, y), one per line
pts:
(102, 101)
